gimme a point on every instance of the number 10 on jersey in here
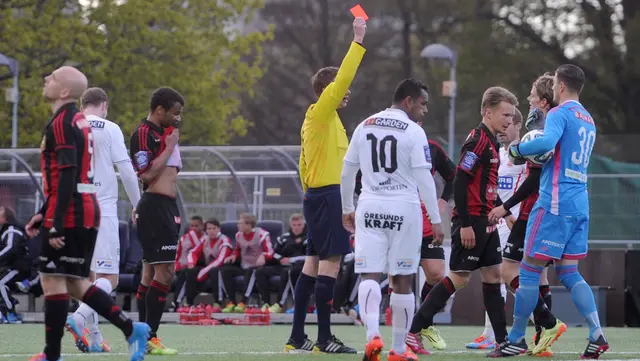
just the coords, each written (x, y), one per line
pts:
(384, 154)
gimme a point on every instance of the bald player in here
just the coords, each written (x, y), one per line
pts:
(70, 217)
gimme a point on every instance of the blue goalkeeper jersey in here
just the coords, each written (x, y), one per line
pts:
(571, 133)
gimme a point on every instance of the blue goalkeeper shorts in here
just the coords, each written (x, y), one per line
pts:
(550, 236)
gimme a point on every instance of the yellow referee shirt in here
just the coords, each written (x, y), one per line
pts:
(324, 139)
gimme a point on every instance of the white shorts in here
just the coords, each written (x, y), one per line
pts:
(503, 232)
(388, 237)
(106, 255)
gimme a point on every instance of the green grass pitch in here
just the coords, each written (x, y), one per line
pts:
(255, 343)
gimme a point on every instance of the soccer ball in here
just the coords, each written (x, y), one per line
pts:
(540, 158)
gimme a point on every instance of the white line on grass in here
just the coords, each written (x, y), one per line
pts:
(222, 353)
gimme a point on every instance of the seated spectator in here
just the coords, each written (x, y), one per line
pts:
(253, 249)
(289, 252)
(14, 263)
(346, 291)
(187, 242)
(205, 261)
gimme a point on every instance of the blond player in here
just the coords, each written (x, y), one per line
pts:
(510, 177)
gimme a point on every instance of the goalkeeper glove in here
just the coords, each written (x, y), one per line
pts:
(514, 153)
(535, 120)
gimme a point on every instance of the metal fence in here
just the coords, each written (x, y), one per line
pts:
(222, 182)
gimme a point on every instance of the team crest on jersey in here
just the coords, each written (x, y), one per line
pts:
(427, 153)
(386, 123)
(468, 161)
(142, 159)
(43, 143)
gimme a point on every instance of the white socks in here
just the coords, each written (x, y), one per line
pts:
(402, 309)
(89, 317)
(369, 299)
(488, 329)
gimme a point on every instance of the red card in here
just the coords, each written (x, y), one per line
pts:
(358, 12)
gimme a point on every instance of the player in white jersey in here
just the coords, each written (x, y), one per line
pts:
(392, 152)
(510, 177)
(109, 150)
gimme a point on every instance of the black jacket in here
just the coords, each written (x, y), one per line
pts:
(286, 246)
(14, 253)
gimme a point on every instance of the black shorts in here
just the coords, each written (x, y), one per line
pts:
(487, 251)
(327, 236)
(158, 227)
(430, 251)
(72, 260)
(514, 249)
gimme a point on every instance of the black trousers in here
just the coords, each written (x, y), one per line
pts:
(229, 273)
(264, 274)
(180, 283)
(7, 279)
(193, 285)
(345, 284)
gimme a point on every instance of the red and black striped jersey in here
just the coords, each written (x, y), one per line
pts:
(68, 142)
(527, 204)
(146, 144)
(442, 164)
(480, 159)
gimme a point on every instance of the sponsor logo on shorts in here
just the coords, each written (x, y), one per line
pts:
(431, 245)
(404, 263)
(386, 123)
(169, 248)
(490, 229)
(176, 219)
(384, 221)
(74, 260)
(551, 243)
(104, 263)
(361, 262)
(473, 258)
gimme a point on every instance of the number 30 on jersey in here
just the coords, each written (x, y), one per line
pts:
(587, 140)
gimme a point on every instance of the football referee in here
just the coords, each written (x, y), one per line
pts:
(324, 144)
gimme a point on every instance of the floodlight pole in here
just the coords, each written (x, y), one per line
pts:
(14, 117)
(440, 51)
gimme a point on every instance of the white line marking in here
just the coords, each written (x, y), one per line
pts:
(258, 353)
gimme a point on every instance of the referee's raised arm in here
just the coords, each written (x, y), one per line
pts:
(331, 97)
(323, 145)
